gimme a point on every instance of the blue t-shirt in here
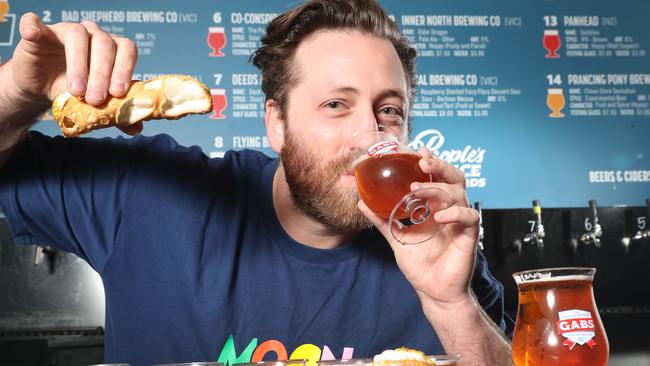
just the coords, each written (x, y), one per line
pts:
(195, 264)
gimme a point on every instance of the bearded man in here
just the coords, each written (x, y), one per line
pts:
(237, 258)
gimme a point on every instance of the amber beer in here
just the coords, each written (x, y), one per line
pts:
(557, 320)
(385, 180)
(4, 9)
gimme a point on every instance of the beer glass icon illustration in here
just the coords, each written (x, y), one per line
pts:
(219, 103)
(216, 40)
(552, 42)
(7, 24)
(4, 9)
(555, 102)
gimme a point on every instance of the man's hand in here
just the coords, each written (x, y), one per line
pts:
(78, 57)
(439, 269)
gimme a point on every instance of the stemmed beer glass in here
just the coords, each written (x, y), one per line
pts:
(384, 168)
(557, 320)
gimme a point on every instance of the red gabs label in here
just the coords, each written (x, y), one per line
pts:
(577, 326)
(379, 149)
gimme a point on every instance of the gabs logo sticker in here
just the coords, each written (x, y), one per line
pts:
(379, 149)
(577, 326)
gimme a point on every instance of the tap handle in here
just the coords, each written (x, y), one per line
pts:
(537, 210)
(39, 254)
(481, 231)
(477, 206)
(594, 210)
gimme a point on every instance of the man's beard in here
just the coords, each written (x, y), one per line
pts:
(314, 186)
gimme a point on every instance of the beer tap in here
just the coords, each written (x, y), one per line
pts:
(481, 232)
(594, 230)
(45, 252)
(644, 231)
(536, 234)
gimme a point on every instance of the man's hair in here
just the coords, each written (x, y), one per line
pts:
(285, 33)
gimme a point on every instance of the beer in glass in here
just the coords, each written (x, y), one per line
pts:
(384, 169)
(394, 173)
(557, 319)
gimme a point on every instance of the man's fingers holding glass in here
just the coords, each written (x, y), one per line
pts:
(452, 193)
(441, 171)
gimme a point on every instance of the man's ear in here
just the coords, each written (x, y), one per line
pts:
(274, 125)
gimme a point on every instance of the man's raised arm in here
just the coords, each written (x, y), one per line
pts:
(48, 60)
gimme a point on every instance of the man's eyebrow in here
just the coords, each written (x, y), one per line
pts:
(387, 93)
(346, 90)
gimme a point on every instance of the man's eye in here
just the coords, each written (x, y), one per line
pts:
(390, 111)
(334, 104)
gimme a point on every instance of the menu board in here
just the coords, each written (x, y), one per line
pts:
(542, 99)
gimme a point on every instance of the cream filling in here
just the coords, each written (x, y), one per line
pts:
(153, 84)
(134, 110)
(401, 355)
(183, 96)
(62, 99)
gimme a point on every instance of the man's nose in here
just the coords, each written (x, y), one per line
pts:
(360, 125)
(367, 122)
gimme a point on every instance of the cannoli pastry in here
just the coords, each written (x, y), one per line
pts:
(165, 97)
(402, 357)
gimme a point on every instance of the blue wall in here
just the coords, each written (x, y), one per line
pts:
(484, 85)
